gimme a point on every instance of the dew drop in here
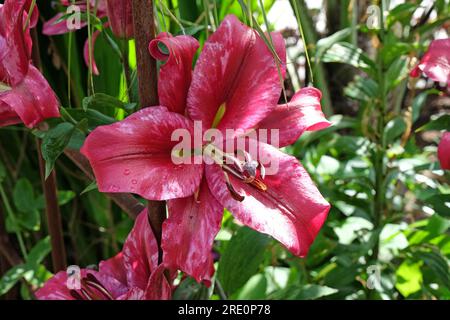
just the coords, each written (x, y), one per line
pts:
(127, 172)
(134, 181)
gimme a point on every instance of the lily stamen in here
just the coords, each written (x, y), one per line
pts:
(91, 289)
(233, 192)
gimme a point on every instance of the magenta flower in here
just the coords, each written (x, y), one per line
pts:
(133, 274)
(25, 95)
(236, 75)
(120, 19)
(435, 64)
(444, 151)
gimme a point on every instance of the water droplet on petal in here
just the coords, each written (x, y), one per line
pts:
(134, 181)
(127, 172)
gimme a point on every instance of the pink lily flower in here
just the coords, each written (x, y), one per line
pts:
(235, 72)
(120, 19)
(435, 64)
(25, 95)
(444, 151)
(133, 274)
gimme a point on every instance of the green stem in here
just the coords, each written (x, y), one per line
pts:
(310, 37)
(30, 13)
(13, 218)
(90, 48)
(379, 165)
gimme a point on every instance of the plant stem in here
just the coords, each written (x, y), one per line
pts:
(310, 38)
(53, 215)
(379, 165)
(144, 32)
(145, 29)
(91, 51)
(13, 218)
(50, 190)
(126, 67)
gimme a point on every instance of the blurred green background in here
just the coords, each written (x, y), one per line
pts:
(386, 236)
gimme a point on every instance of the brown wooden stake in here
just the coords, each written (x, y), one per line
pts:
(144, 32)
(53, 215)
(50, 190)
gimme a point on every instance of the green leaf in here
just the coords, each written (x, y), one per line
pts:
(254, 289)
(39, 252)
(397, 72)
(95, 118)
(394, 129)
(189, 289)
(409, 278)
(343, 52)
(99, 101)
(325, 43)
(2, 172)
(361, 88)
(23, 195)
(54, 143)
(90, 187)
(307, 292)
(441, 123)
(188, 10)
(9, 280)
(440, 203)
(29, 269)
(394, 50)
(438, 264)
(403, 13)
(241, 259)
(419, 101)
(64, 197)
(24, 200)
(313, 291)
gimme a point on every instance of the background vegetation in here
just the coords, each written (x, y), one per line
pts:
(386, 236)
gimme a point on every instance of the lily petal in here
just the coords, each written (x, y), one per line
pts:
(435, 64)
(302, 113)
(176, 74)
(236, 70)
(33, 100)
(52, 27)
(55, 288)
(112, 275)
(120, 17)
(15, 43)
(189, 232)
(134, 155)
(291, 210)
(140, 253)
(91, 60)
(158, 287)
(7, 115)
(444, 151)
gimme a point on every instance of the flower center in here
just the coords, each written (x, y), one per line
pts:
(91, 289)
(247, 170)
